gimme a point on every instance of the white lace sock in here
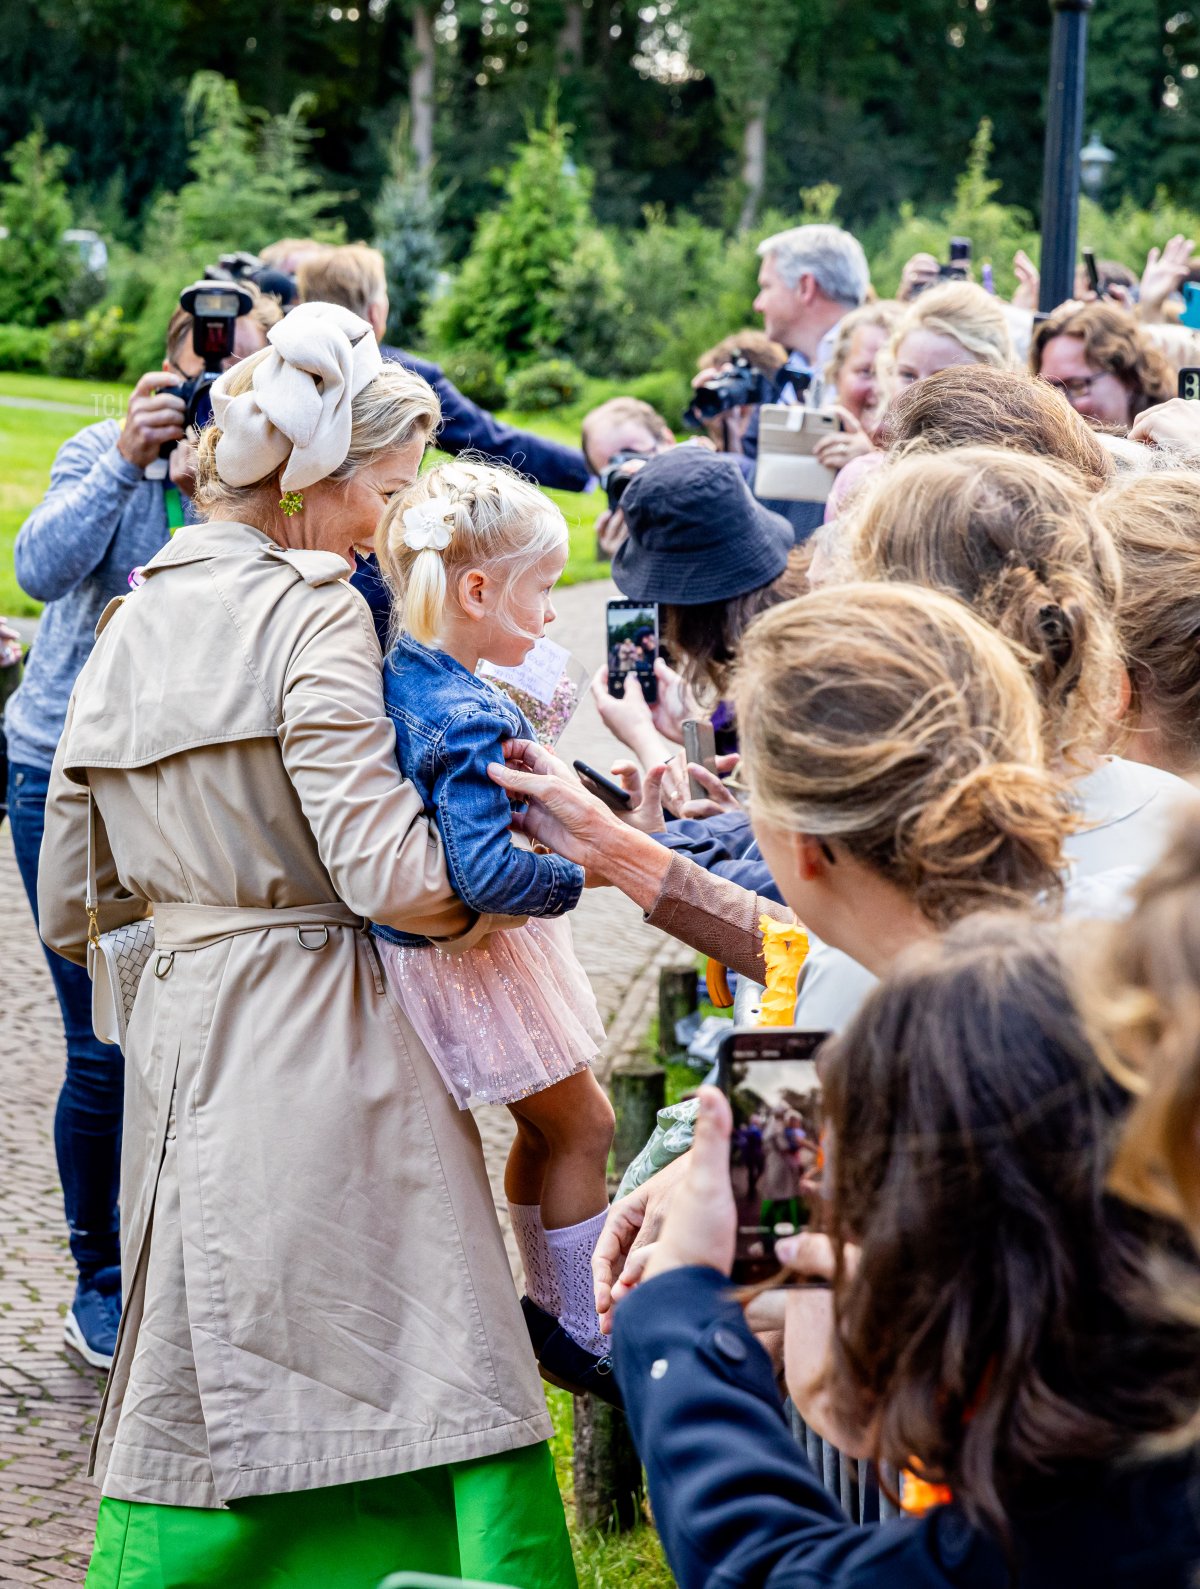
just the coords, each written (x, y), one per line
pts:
(540, 1284)
(571, 1251)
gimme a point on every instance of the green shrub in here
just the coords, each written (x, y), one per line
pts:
(25, 348)
(95, 348)
(552, 383)
(506, 297)
(591, 303)
(477, 376)
(36, 266)
(667, 391)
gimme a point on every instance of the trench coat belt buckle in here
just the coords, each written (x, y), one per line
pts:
(199, 926)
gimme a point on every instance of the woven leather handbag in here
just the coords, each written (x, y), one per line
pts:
(116, 959)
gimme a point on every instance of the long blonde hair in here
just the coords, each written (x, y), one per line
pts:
(890, 718)
(498, 521)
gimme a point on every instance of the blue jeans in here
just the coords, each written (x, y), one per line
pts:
(87, 1122)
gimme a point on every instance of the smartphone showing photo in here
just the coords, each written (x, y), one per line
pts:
(770, 1078)
(632, 646)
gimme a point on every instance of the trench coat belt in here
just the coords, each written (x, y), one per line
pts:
(182, 926)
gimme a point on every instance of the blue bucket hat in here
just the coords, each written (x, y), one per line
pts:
(696, 534)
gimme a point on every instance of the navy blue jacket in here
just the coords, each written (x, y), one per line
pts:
(737, 1503)
(467, 426)
(724, 845)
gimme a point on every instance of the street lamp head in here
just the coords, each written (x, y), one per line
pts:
(1094, 161)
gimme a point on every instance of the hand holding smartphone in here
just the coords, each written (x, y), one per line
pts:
(633, 640)
(699, 748)
(770, 1078)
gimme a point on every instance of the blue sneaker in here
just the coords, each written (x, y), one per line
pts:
(91, 1327)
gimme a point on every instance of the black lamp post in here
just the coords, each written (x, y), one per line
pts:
(1064, 135)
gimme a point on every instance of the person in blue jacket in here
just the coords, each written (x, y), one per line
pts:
(986, 1313)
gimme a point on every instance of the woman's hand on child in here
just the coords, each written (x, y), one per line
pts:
(561, 813)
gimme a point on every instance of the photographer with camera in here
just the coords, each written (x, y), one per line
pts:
(810, 278)
(114, 499)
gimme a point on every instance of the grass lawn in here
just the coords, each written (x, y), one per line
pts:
(29, 439)
(603, 1560)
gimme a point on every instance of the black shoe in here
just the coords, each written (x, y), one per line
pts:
(540, 1324)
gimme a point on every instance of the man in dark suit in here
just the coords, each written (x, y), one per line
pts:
(353, 276)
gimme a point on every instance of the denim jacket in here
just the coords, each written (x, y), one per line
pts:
(449, 726)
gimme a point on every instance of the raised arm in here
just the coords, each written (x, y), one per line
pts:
(70, 531)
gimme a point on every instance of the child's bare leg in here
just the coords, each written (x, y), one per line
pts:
(575, 1120)
(526, 1168)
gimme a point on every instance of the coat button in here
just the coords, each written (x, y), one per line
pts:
(658, 1368)
(729, 1345)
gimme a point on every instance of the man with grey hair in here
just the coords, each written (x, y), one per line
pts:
(810, 277)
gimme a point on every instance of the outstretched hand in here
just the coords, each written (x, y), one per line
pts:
(560, 814)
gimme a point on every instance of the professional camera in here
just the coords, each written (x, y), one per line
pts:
(614, 477)
(215, 307)
(733, 387)
(242, 266)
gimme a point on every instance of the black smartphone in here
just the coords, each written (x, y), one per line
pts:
(614, 797)
(632, 646)
(1189, 383)
(770, 1078)
(1093, 274)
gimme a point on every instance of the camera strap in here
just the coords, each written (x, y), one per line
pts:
(173, 500)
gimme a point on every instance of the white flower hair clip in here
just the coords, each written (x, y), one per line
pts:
(427, 525)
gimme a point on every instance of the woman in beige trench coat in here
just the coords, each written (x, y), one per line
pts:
(321, 1356)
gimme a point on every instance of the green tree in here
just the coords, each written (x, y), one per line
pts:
(36, 266)
(405, 223)
(507, 299)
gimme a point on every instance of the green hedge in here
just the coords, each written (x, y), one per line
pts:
(551, 383)
(24, 348)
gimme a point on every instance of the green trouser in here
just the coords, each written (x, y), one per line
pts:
(498, 1519)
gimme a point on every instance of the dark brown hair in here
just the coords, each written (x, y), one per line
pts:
(1003, 1329)
(975, 405)
(704, 639)
(1113, 341)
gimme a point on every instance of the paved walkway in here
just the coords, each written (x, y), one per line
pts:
(48, 1398)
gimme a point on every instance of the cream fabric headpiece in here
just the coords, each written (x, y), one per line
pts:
(298, 408)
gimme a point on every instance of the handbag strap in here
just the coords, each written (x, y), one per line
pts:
(90, 902)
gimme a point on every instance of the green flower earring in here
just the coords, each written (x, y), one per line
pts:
(291, 502)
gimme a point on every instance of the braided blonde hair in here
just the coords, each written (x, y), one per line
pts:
(498, 521)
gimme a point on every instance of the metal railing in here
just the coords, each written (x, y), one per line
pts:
(852, 1480)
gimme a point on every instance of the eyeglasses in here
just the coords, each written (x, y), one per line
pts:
(1078, 386)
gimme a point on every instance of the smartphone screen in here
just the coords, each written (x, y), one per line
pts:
(771, 1081)
(632, 646)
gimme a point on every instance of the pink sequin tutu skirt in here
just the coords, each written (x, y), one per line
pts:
(505, 1019)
